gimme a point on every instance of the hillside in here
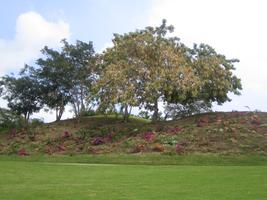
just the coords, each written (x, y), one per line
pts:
(216, 133)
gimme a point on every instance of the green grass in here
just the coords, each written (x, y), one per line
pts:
(148, 159)
(45, 180)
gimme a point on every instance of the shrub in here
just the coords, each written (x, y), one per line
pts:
(13, 147)
(144, 114)
(9, 120)
(167, 139)
(22, 152)
(97, 141)
(48, 150)
(139, 148)
(88, 113)
(66, 135)
(179, 149)
(158, 147)
(128, 143)
(36, 122)
(61, 147)
(84, 133)
(31, 134)
(175, 130)
(148, 136)
(13, 132)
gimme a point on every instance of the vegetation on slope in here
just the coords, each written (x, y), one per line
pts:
(216, 133)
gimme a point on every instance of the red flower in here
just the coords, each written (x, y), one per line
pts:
(22, 152)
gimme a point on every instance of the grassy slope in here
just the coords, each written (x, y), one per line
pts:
(214, 133)
(24, 180)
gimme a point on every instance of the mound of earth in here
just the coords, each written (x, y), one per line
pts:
(218, 133)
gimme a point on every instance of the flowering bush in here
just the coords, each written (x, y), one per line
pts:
(61, 147)
(22, 152)
(202, 121)
(148, 136)
(179, 149)
(175, 130)
(98, 141)
(66, 134)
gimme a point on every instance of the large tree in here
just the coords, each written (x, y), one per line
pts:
(147, 66)
(144, 67)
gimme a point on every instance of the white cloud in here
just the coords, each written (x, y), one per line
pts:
(234, 28)
(33, 32)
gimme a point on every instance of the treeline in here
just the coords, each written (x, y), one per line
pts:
(141, 69)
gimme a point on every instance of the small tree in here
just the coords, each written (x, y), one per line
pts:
(22, 94)
(81, 57)
(54, 74)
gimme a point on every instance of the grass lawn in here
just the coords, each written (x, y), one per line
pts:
(56, 180)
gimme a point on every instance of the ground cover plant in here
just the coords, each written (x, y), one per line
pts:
(217, 133)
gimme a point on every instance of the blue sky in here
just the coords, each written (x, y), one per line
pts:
(234, 28)
(94, 20)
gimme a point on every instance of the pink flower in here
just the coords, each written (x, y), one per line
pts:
(148, 136)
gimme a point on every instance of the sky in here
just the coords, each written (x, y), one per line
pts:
(235, 28)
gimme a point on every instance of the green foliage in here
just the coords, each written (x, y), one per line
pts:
(22, 94)
(9, 120)
(81, 57)
(88, 113)
(145, 67)
(176, 111)
(168, 139)
(54, 74)
(144, 114)
(36, 122)
(141, 69)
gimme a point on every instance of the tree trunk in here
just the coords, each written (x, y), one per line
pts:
(126, 114)
(59, 112)
(26, 118)
(81, 99)
(155, 116)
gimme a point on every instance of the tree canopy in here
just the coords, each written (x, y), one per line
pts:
(141, 69)
(146, 67)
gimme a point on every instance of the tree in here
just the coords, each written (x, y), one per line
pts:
(22, 94)
(144, 67)
(81, 58)
(118, 78)
(54, 73)
(65, 76)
